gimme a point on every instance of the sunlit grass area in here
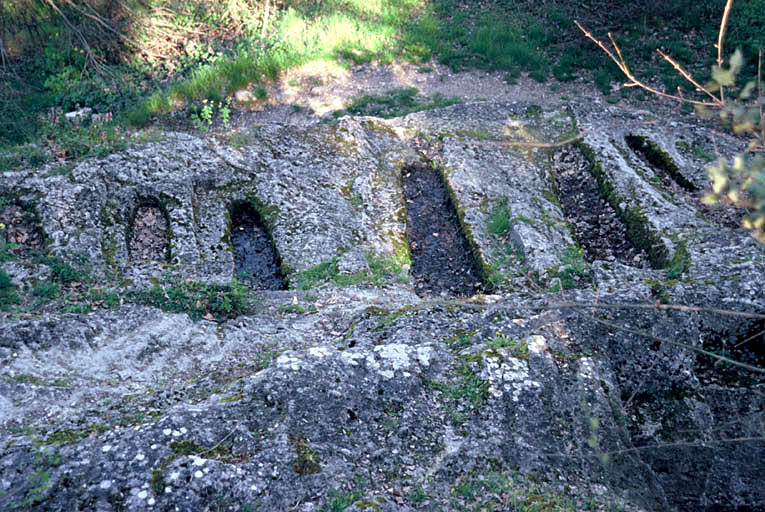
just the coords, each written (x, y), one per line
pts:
(191, 56)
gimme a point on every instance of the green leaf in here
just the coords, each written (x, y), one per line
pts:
(747, 90)
(736, 62)
(724, 77)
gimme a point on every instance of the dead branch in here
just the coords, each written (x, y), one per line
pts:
(633, 81)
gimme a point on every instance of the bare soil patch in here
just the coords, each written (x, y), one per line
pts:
(22, 230)
(149, 240)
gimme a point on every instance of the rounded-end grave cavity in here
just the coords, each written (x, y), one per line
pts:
(256, 260)
(149, 233)
(442, 259)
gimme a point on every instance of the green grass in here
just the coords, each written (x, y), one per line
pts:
(501, 220)
(518, 349)
(498, 491)
(198, 300)
(574, 270)
(511, 36)
(394, 103)
(381, 271)
(8, 295)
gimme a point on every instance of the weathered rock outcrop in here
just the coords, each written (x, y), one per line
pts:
(369, 396)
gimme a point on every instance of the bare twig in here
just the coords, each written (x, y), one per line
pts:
(621, 63)
(601, 305)
(667, 445)
(721, 33)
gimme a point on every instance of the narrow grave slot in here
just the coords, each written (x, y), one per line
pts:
(660, 162)
(149, 234)
(22, 231)
(442, 259)
(740, 341)
(673, 181)
(596, 226)
(256, 260)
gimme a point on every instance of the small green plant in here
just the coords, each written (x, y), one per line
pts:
(381, 270)
(225, 111)
(158, 482)
(45, 291)
(8, 294)
(500, 220)
(574, 269)
(202, 118)
(518, 349)
(680, 262)
(468, 388)
(308, 461)
(338, 500)
(198, 300)
(260, 92)
(395, 103)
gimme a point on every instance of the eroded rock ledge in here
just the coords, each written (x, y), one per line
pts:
(377, 395)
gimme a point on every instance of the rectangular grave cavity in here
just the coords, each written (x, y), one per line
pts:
(256, 260)
(673, 181)
(596, 226)
(148, 233)
(660, 162)
(442, 259)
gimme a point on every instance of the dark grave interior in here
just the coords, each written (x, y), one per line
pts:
(673, 181)
(664, 168)
(442, 259)
(598, 230)
(255, 259)
(22, 230)
(149, 238)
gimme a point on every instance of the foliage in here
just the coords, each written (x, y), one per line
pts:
(497, 491)
(518, 349)
(144, 59)
(198, 300)
(743, 183)
(8, 294)
(381, 270)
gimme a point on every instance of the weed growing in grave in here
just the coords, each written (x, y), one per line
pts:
(508, 260)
